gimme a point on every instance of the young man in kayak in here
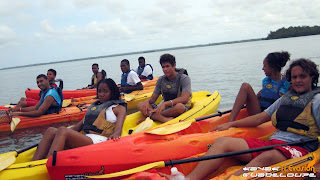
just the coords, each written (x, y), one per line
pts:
(96, 77)
(129, 78)
(50, 100)
(144, 71)
(296, 115)
(27, 102)
(175, 88)
(51, 75)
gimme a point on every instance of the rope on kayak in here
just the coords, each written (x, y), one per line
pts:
(5, 117)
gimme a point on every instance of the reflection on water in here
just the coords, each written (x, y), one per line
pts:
(223, 68)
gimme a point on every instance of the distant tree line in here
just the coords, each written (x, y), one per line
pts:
(294, 32)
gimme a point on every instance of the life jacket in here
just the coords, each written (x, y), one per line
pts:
(270, 92)
(294, 114)
(171, 89)
(140, 70)
(124, 83)
(95, 121)
(53, 108)
(93, 79)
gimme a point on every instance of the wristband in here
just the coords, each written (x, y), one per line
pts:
(171, 103)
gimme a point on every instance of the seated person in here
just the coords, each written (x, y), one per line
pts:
(50, 100)
(129, 79)
(51, 75)
(96, 77)
(144, 70)
(295, 119)
(274, 85)
(103, 120)
(175, 88)
(27, 102)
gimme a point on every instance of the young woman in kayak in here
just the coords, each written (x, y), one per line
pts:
(273, 86)
(296, 115)
(103, 120)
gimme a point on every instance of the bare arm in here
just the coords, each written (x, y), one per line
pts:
(121, 113)
(138, 86)
(32, 112)
(78, 126)
(251, 121)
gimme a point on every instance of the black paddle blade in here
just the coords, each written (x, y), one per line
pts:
(5, 117)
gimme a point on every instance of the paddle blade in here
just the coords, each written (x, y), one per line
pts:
(14, 123)
(9, 106)
(145, 125)
(172, 128)
(158, 164)
(7, 159)
(66, 103)
(129, 97)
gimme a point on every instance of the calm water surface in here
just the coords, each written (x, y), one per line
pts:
(220, 68)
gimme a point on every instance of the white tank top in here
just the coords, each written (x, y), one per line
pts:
(110, 116)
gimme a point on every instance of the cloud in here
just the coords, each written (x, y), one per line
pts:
(92, 31)
(7, 36)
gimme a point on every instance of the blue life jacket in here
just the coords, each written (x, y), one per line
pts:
(124, 83)
(53, 108)
(140, 70)
(270, 92)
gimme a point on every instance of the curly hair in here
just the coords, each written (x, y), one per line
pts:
(277, 60)
(308, 66)
(115, 93)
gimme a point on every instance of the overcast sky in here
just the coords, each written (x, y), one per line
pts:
(33, 31)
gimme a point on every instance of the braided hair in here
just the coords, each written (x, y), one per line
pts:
(115, 93)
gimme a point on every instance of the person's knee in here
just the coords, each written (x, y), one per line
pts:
(62, 131)
(245, 86)
(222, 142)
(180, 108)
(51, 131)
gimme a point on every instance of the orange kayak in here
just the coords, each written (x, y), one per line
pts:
(72, 113)
(143, 148)
(68, 94)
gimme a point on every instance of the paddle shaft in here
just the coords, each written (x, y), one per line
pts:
(216, 156)
(215, 115)
(26, 149)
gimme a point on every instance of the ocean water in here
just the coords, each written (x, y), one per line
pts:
(221, 68)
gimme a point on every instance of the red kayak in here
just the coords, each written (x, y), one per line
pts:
(142, 148)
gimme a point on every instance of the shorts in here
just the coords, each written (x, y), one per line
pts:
(31, 102)
(97, 138)
(289, 152)
(154, 106)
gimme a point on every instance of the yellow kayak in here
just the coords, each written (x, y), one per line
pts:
(203, 103)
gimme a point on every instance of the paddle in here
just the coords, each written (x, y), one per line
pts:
(66, 102)
(176, 127)
(6, 118)
(10, 157)
(160, 164)
(146, 124)
(129, 97)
